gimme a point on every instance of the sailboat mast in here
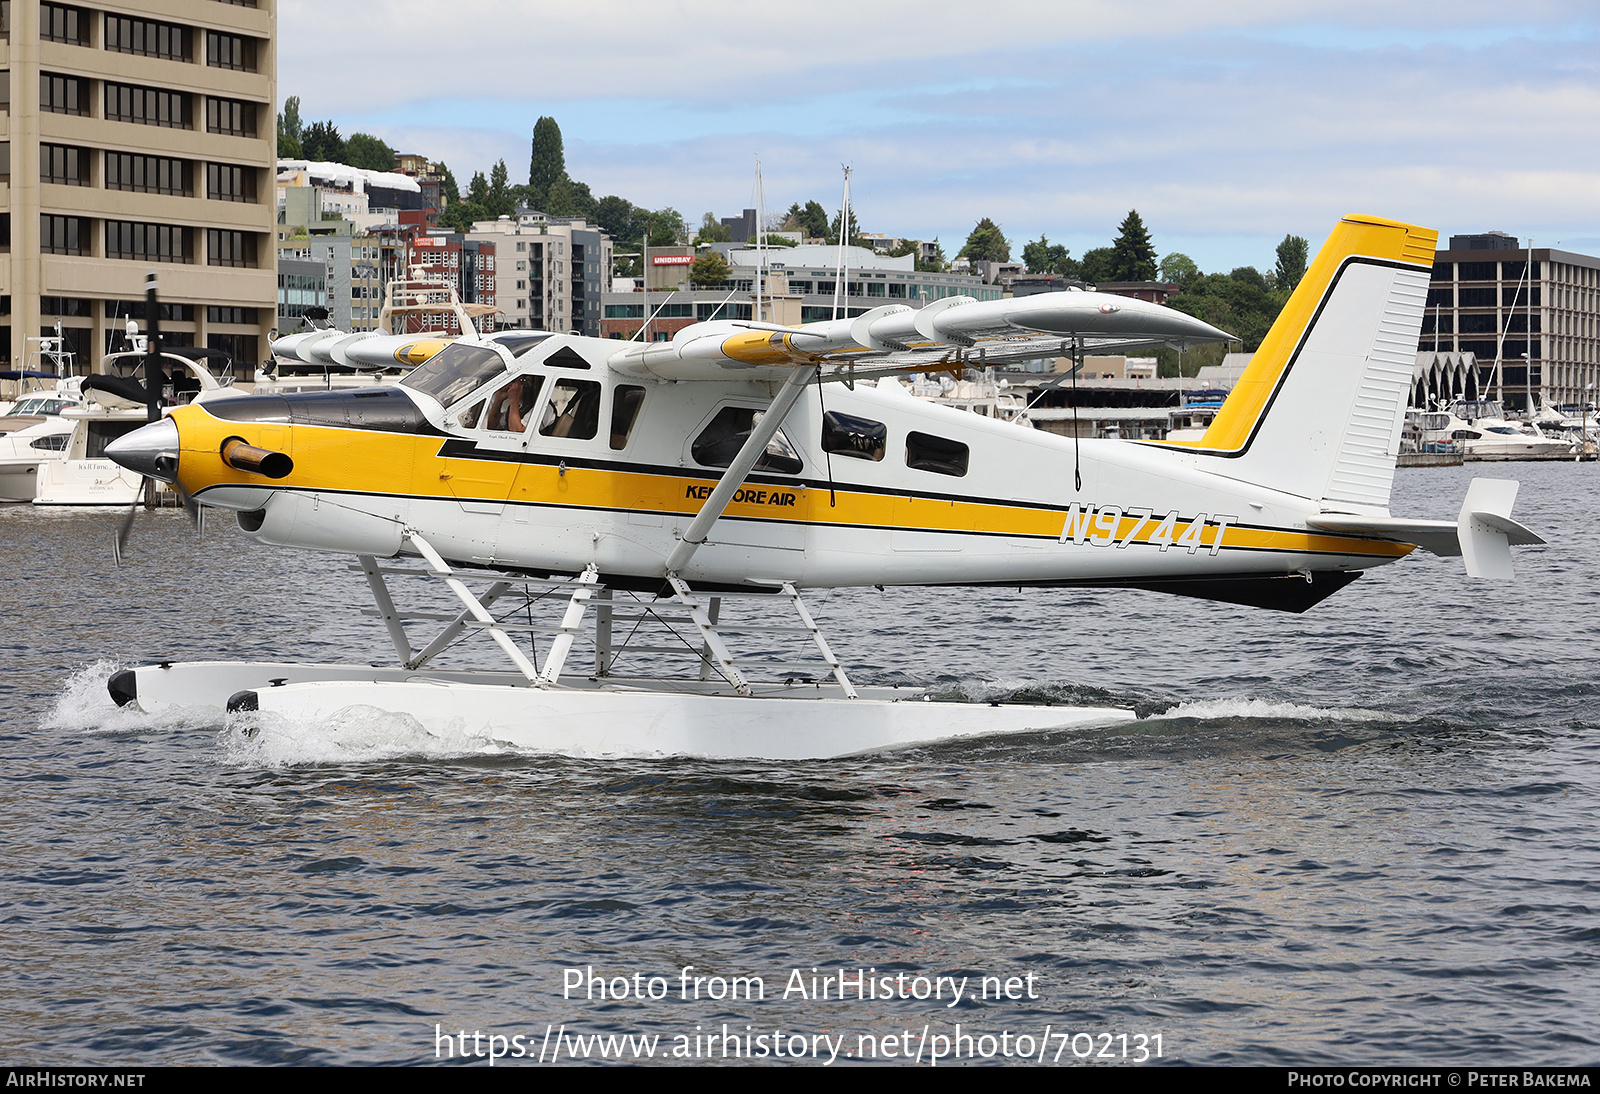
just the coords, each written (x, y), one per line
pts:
(842, 270)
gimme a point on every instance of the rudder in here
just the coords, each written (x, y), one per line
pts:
(1318, 410)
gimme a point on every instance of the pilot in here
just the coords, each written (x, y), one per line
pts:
(509, 404)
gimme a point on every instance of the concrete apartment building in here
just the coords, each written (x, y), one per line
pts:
(1480, 303)
(551, 272)
(138, 137)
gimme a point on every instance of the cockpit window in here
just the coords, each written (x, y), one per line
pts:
(455, 372)
(512, 405)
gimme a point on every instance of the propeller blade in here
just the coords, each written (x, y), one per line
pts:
(119, 542)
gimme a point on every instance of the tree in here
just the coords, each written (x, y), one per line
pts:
(1097, 265)
(667, 227)
(620, 217)
(1133, 258)
(986, 244)
(833, 229)
(934, 264)
(320, 141)
(500, 201)
(548, 162)
(452, 192)
(289, 128)
(812, 220)
(709, 269)
(1179, 268)
(1292, 255)
(1043, 257)
(567, 198)
(713, 230)
(365, 150)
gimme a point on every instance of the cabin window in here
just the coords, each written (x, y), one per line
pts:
(455, 372)
(625, 403)
(469, 417)
(511, 408)
(858, 438)
(719, 442)
(573, 410)
(925, 452)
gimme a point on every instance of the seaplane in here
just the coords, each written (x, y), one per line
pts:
(748, 463)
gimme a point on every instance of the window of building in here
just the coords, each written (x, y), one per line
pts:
(5, 161)
(60, 23)
(229, 248)
(147, 242)
(63, 94)
(65, 305)
(225, 182)
(230, 51)
(230, 116)
(63, 235)
(64, 164)
(925, 452)
(5, 91)
(230, 315)
(147, 38)
(148, 174)
(624, 311)
(1476, 271)
(858, 438)
(147, 106)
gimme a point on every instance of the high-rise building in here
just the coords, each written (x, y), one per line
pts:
(138, 137)
(1535, 332)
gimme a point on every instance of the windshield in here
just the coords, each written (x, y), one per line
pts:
(456, 372)
(38, 406)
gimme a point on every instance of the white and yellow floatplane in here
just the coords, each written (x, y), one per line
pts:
(748, 463)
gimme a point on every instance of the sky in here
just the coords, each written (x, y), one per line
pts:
(1227, 125)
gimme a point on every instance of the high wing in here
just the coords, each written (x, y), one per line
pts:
(955, 332)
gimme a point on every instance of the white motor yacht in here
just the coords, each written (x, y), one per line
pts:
(1481, 430)
(80, 473)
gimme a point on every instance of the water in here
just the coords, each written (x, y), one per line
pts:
(1360, 835)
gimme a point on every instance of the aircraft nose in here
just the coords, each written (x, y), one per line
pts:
(149, 450)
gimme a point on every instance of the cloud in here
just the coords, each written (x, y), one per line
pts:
(1226, 125)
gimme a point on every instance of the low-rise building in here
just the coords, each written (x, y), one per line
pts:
(801, 285)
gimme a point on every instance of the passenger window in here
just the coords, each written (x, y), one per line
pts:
(720, 442)
(925, 452)
(626, 400)
(573, 410)
(858, 438)
(511, 406)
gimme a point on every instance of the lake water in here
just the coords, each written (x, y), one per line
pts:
(1362, 835)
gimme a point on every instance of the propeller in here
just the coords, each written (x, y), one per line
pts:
(162, 458)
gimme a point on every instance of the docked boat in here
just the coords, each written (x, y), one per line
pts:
(77, 472)
(1481, 430)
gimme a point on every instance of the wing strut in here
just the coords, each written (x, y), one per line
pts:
(733, 478)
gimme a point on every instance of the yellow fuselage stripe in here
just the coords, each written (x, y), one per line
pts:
(409, 465)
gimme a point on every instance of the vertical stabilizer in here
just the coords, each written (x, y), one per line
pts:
(1319, 409)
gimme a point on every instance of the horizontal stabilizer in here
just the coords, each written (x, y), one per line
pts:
(1487, 530)
(1484, 534)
